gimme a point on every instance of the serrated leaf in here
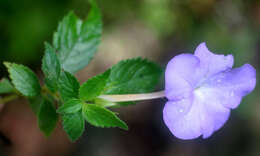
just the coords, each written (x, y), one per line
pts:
(93, 87)
(74, 125)
(51, 67)
(133, 76)
(76, 41)
(24, 80)
(6, 86)
(35, 103)
(102, 117)
(68, 86)
(47, 117)
(70, 106)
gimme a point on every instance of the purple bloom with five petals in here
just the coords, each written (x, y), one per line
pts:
(201, 89)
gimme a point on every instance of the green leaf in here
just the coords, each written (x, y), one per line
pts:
(24, 80)
(35, 103)
(70, 106)
(74, 125)
(133, 76)
(93, 87)
(51, 67)
(52, 85)
(102, 117)
(104, 103)
(47, 117)
(76, 41)
(68, 86)
(6, 86)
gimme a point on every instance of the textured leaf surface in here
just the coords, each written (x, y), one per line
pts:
(68, 86)
(76, 41)
(70, 106)
(133, 76)
(24, 80)
(102, 117)
(6, 86)
(47, 117)
(51, 67)
(93, 87)
(73, 125)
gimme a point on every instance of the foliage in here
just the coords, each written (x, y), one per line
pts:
(74, 44)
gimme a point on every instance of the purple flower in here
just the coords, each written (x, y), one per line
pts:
(201, 89)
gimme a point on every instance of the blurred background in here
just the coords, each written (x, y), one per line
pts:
(155, 29)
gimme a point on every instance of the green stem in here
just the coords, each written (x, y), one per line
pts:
(133, 97)
(7, 99)
(46, 90)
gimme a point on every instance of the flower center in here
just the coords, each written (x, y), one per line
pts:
(202, 92)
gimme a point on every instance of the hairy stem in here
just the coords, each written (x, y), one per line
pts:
(133, 97)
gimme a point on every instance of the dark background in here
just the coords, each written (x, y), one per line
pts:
(156, 29)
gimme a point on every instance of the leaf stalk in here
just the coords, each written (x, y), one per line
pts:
(7, 99)
(133, 97)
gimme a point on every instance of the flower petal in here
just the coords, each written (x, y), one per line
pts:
(202, 88)
(182, 118)
(202, 114)
(213, 63)
(213, 114)
(230, 86)
(181, 75)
